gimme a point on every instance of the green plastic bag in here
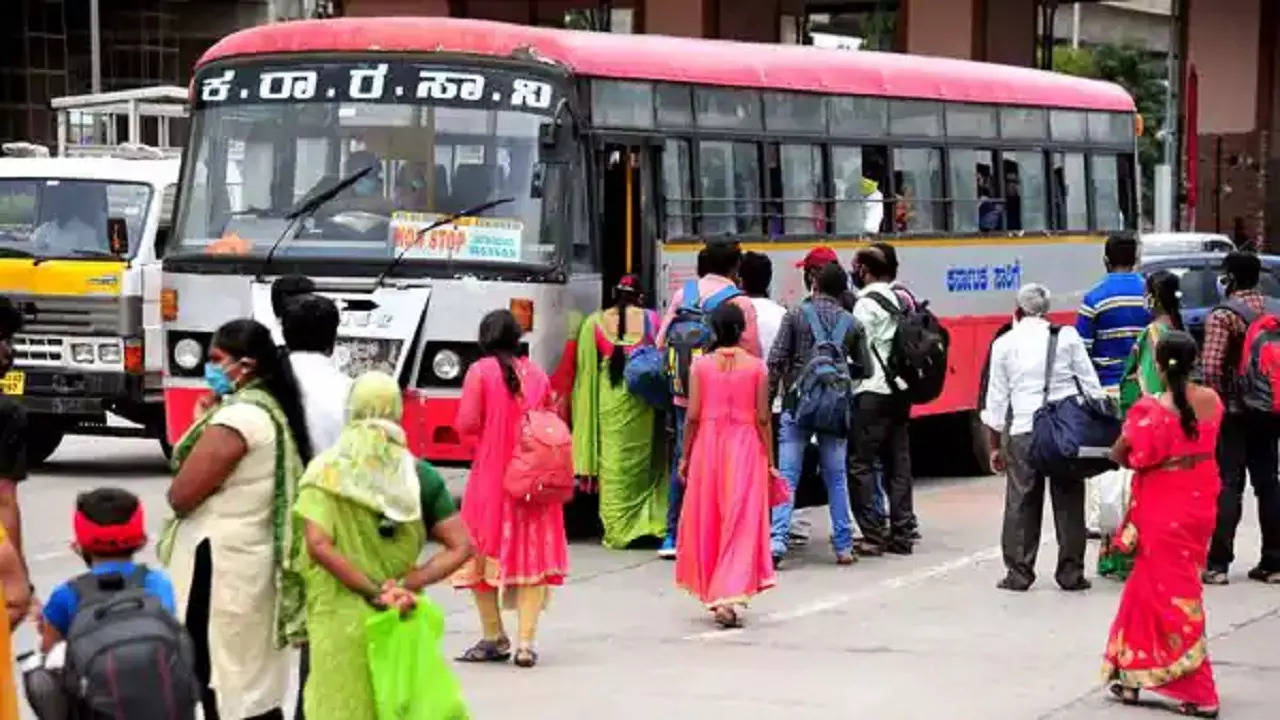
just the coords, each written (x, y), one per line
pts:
(411, 678)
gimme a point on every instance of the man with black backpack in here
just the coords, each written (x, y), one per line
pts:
(1250, 429)
(127, 656)
(908, 363)
(818, 354)
(684, 335)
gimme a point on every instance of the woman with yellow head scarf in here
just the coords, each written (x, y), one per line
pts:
(366, 505)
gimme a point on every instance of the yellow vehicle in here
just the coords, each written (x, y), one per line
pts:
(80, 242)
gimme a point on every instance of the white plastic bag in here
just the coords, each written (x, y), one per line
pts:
(1113, 498)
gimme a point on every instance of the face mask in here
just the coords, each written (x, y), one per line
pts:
(366, 186)
(218, 380)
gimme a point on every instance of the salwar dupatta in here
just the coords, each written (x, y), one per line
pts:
(1157, 639)
(614, 439)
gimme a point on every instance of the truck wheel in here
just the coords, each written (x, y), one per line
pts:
(43, 439)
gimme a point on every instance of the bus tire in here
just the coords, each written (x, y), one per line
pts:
(43, 438)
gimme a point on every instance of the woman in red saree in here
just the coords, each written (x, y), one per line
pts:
(1157, 640)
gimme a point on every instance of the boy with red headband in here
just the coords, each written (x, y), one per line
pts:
(109, 529)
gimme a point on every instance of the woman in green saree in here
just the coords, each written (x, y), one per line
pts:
(614, 439)
(1142, 377)
(366, 507)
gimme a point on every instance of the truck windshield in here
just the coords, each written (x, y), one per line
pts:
(58, 217)
(266, 138)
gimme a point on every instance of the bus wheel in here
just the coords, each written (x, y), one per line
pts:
(43, 438)
(978, 440)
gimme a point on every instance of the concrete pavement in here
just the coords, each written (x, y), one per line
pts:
(926, 636)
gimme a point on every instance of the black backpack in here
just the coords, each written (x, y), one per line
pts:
(127, 656)
(917, 354)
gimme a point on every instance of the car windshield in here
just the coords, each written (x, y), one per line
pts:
(439, 141)
(63, 218)
(1201, 286)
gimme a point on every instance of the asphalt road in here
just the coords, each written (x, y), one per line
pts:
(926, 636)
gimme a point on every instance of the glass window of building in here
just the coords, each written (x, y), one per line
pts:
(917, 175)
(729, 184)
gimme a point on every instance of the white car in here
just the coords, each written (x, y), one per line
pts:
(1170, 243)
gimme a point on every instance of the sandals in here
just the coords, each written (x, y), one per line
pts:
(526, 658)
(1126, 695)
(1191, 710)
(727, 618)
(487, 651)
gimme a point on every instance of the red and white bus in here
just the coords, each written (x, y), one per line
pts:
(613, 153)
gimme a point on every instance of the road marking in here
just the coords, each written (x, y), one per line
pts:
(831, 602)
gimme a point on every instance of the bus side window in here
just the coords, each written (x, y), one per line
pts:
(860, 180)
(729, 180)
(677, 189)
(917, 187)
(1107, 182)
(1025, 190)
(800, 183)
(977, 203)
(1070, 203)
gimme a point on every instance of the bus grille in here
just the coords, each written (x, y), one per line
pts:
(45, 315)
(40, 350)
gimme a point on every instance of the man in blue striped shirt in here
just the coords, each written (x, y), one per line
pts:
(1114, 312)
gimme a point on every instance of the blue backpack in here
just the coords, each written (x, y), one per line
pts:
(646, 371)
(689, 335)
(823, 389)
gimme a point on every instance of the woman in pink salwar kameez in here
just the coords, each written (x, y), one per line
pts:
(520, 547)
(722, 552)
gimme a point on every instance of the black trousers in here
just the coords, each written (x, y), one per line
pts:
(1024, 512)
(880, 433)
(1247, 444)
(197, 622)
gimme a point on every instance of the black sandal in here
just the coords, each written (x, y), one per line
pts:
(487, 651)
(1126, 695)
(1192, 710)
(526, 658)
(727, 618)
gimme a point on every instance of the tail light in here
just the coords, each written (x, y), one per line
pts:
(522, 309)
(133, 356)
(169, 304)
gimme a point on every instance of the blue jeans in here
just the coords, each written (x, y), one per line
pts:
(831, 463)
(675, 497)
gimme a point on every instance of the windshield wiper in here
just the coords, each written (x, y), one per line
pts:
(305, 209)
(469, 212)
(7, 252)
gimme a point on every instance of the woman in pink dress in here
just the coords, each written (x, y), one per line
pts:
(722, 553)
(520, 547)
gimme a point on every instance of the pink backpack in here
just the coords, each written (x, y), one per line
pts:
(541, 469)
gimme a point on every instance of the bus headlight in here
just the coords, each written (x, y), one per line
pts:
(446, 365)
(187, 353)
(82, 353)
(109, 353)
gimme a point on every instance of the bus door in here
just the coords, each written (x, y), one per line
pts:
(627, 215)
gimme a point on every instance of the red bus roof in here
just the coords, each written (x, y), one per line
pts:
(688, 60)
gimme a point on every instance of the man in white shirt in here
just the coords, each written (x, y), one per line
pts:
(1015, 391)
(310, 325)
(880, 416)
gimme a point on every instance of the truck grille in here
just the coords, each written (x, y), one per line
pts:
(38, 350)
(45, 315)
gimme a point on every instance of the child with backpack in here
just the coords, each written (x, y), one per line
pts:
(126, 655)
(809, 363)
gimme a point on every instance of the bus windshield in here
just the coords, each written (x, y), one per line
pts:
(439, 142)
(64, 218)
